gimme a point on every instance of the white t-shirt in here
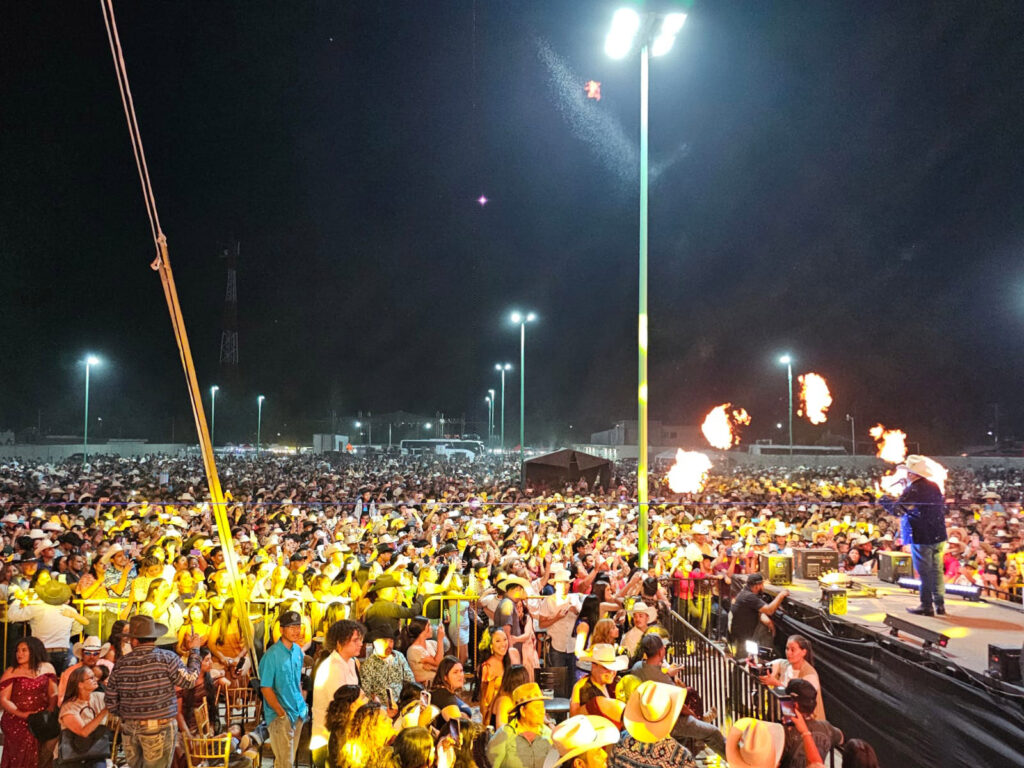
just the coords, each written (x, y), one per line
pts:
(333, 673)
(416, 656)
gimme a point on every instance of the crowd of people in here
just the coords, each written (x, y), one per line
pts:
(420, 613)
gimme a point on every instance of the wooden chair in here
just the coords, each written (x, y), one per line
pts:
(202, 714)
(242, 706)
(114, 723)
(208, 753)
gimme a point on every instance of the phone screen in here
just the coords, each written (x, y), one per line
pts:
(788, 709)
(455, 729)
(425, 698)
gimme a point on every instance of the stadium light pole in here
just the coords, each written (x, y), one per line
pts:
(853, 435)
(213, 412)
(259, 422)
(502, 368)
(657, 33)
(494, 403)
(90, 360)
(787, 361)
(490, 417)
(522, 320)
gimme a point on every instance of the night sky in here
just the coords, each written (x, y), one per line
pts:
(842, 181)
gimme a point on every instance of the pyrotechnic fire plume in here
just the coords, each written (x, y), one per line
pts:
(720, 426)
(892, 443)
(689, 473)
(815, 398)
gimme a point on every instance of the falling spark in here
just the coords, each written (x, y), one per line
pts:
(593, 89)
(689, 473)
(815, 398)
(892, 443)
(482, 200)
(720, 426)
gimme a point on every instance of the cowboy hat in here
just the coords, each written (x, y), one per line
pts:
(925, 467)
(652, 711)
(53, 592)
(559, 576)
(578, 735)
(92, 644)
(604, 654)
(525, 693)
(650, 610)
(111, 551)
(514, 581)
(754, 744)
(144, 628)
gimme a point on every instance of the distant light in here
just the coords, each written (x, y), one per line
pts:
(487, 399)
(214, 389)
(673, 23)
(92, 360)
(359, 424)
(662, 44)
(785, 359)
(427, 425)
(516, 317)
(779, 425)
(625, 24)
(260, 399)
(482, 200)
(491, 391)
(531, 317)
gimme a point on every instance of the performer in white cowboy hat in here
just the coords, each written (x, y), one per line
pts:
(580, 742)
(923, 525)
(89, 653)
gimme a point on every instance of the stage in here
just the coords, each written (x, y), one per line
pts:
(970, 625)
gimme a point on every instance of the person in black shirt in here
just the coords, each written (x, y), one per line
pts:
(751, 616)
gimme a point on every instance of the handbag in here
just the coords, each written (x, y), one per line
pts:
(44, 725)
(74, 749)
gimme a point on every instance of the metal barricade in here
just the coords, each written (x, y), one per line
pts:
(450, 598)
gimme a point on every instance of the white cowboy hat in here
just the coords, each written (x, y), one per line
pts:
(652, 711)
(92, 644)
(604, 654)
(754, 744)
(41, 544)
(650, 610)
(702, 527)
(578, 735)
(927, 468)
(559, 576)
(111, 551)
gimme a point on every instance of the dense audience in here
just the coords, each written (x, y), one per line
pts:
(420, 612)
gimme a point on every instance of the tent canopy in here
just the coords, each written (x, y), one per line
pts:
(568, 466)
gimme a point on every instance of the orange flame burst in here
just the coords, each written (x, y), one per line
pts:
(892, 443)
(689, 473)
(815, 398)
(720, 426)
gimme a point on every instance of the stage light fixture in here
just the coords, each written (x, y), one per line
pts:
(928, 636)
(967, 592)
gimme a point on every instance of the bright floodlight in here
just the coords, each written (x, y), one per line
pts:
(215, 388)
(531, 317)
(673, 23)
(487, 399)
(260, 399)
(427, 425)
(516, 317)
(785, 359)
(92, 360)
(625, 24)
(359, 424)
(662, 44)
(505, 367)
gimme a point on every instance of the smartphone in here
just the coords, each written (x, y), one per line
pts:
(425, 699)
(455, 730)
(751, 646)
(788, 709)
(391, 698)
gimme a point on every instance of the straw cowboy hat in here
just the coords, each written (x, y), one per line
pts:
(92, 644)
(525, 693)
(650, 610)
(112, 550)
(559, 576)
(925, 467)
(53, 592)
(652, 711)
(754, 744)
(579, 735)
(604, 654)
(515, 581)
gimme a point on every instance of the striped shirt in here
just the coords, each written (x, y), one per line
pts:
(141, 687)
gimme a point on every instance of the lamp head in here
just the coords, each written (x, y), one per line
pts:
(92, 360)
(516, 317)
(215, 389)
(785, 359)
(260, 399)
(619, 41)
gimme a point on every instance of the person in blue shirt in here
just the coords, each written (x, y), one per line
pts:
(284, 706)
(923, 526)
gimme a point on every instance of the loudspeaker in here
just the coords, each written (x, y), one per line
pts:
(777, 569)
(812, 563)
(1004, 663)
(892, 566)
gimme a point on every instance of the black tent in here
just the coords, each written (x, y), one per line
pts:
(554, 470)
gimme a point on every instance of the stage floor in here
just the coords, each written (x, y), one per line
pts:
(971, 626)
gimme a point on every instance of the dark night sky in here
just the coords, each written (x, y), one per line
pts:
(840, 180)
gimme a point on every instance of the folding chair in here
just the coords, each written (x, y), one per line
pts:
(202, 714)
(208, 753)
(242, 706)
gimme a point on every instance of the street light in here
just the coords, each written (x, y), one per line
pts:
(522, 320)
(90, 360)
(259, 422)
(490, 419)
(213, 412)
(853, 435)
(627, 25)
(787, 361)
(503, 367)
(494, 402)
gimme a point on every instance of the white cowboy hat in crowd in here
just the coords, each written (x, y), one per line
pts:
(652, 711)
(754, 744)
(604, 654)
(578, 735)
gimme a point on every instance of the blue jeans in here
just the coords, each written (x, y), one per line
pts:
(927, 559)
(149, 743)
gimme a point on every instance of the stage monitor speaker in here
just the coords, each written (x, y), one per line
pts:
(1004, 662)
(812, 563)
(777, 569)
(894, 565)
(833, 599)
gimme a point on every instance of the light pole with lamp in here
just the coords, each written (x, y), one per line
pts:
(213, 412)
(490, 418)
(494, 404)
(502, 368)
(259, 422)
(787, 361)
(90, 361)
(522, 320)
(656, 40)
(853, 435)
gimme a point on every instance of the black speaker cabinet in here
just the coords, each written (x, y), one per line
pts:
(1004, 663)
(777, 569)
(812, 563)
(892, 566)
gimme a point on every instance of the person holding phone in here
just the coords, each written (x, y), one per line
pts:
(385, 670)
(804, 698)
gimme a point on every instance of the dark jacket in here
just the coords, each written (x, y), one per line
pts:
(924, 511)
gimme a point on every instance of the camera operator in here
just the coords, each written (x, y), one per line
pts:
(804, 697)
(751, 616)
